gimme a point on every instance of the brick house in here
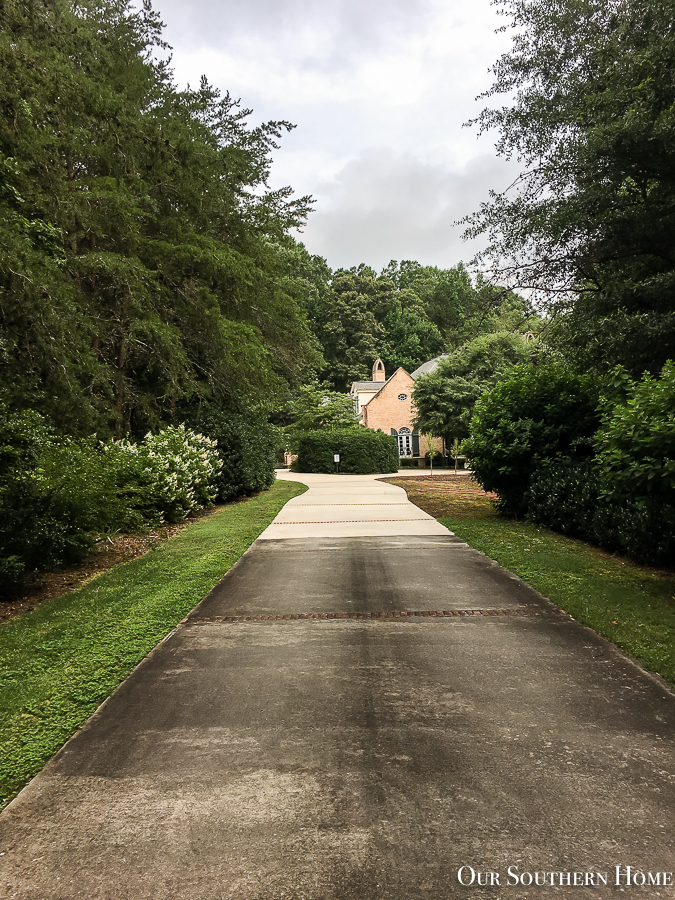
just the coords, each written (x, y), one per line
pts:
(386, 403)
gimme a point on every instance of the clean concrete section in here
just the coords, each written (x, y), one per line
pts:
(359, 758)
(349, 506)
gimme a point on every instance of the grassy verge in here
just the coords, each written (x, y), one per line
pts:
(60, 662)
(631, 605)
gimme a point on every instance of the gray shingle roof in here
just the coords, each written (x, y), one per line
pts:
(429, 366)
(368, 385)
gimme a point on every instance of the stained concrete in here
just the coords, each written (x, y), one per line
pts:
(357, 760)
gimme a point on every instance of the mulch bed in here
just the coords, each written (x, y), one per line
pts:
(108, 551)
(447, 495)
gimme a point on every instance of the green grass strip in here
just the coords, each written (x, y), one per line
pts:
(633, 607)
(61, 661)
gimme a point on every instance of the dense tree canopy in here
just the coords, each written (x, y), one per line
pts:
(445, 398)
(406, 315)
(141, 263)
(314, 409)
(590, 222)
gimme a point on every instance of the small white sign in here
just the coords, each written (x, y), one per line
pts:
(336, 457)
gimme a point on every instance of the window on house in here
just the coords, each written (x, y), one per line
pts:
(404, 443)
(402, 396)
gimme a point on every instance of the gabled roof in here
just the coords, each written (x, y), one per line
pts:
(375, 385)
(429, 366)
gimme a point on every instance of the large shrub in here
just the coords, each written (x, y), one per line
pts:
(168, 475)
(36, 530)
(361, 450)
(623, 500)
(636, 468)
(247, 446)
(533, 416)
(636, 443)
(566, 496)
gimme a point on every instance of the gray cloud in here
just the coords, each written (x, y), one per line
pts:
(379, 92)
(386, 206)
(339, 27)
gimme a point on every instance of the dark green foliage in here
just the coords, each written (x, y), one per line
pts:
(590, 114)
(140, 263)
(36, 530)
(56, 493)
(636, 444)
(445, 399)
(353, 333)
(312, 408)
(563, 495)
(567, 496)
(247, 445)
(635, 527)
(361, 450)
(459, 309)
(407, 315)
(533, 416)
(624, 498)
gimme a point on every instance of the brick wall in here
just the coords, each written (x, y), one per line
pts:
(386, 411)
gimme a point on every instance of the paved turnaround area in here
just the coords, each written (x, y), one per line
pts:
(361, 709)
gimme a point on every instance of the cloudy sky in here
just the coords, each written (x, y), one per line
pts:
(378, 90)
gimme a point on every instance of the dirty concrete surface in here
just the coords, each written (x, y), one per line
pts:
(359, 758)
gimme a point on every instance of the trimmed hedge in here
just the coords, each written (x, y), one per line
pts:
(567, 496)
(362, 452)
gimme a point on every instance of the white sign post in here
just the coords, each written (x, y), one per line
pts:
(336, 460)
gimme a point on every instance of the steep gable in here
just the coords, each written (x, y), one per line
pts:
(386, 410)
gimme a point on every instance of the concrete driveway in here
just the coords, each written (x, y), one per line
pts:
(358, 714)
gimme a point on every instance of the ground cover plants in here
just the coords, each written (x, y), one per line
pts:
(61, 661)
(631, 605)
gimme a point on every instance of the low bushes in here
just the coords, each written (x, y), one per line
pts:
(361, 450)
(57, 493)
(613, 485)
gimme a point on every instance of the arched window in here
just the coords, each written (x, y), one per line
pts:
(404, 443)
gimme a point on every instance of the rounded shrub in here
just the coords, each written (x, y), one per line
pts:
(362, 451)
(533, 416)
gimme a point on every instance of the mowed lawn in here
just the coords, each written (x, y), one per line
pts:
(61, 661)
(631, 605)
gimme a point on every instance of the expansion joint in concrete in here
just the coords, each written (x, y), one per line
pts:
(383, 614)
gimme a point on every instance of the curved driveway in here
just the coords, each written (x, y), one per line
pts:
(361, 709)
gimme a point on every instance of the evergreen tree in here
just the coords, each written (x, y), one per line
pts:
(136, 273)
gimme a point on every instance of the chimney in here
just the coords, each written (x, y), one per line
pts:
(378, 371)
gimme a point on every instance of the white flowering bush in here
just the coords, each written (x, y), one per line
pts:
(182, 467)
(57, 494)
(169, 474)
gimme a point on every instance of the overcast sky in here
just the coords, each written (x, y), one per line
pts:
(378, 90)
